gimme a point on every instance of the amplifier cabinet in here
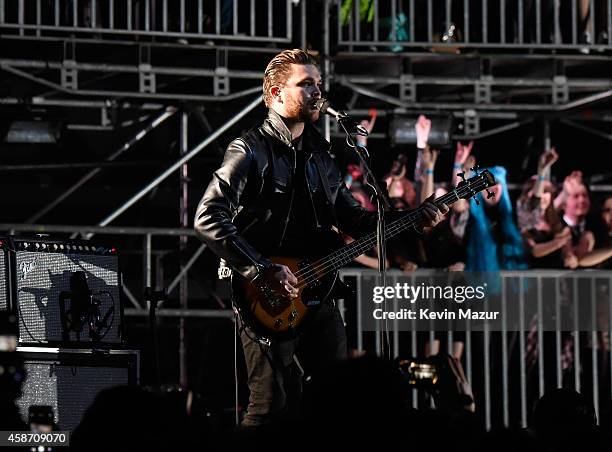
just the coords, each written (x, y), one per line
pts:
(41, 284)
(5, 275)
(69, 379)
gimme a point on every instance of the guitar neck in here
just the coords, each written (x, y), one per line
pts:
(348, 253)
(343, 256)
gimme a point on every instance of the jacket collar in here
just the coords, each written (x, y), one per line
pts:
(275, 126)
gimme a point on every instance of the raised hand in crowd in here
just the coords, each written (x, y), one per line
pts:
(429, 158)
(546, 238)
(547, 159)
(571, 184)
(428, 162)
(462, 153)
(545, 162)
(368, 124)
(573, 181)
(422, 129)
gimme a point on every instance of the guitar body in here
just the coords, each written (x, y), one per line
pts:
(271, 314)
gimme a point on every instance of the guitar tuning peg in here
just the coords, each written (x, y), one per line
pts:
(490, 194)
(475, 169)
(461, 175)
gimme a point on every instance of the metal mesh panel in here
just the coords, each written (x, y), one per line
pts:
(3, 277)
(69, 389)
(42, 277)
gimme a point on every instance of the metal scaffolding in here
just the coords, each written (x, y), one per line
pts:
(158, 60)
(450, 25)
(193, 19)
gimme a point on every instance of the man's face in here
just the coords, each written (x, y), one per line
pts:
(578, 202)
(299, 94)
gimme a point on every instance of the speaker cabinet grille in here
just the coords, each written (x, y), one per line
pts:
(42, 277)
(3, 280)
(70, 380)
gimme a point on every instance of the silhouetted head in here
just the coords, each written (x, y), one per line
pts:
(563, 413)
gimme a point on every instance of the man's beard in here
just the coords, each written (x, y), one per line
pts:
(302, 112)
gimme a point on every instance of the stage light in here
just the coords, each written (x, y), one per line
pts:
(40, 132)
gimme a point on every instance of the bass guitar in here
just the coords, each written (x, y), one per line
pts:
(270, 313)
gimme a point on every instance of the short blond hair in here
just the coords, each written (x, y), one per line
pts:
(279, 69)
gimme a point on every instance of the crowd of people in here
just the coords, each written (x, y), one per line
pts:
(547, 227)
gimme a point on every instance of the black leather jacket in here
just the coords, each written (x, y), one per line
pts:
(245, 209)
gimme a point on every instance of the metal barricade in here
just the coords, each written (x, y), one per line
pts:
(555, 332)
(443, 26)
(230, 20)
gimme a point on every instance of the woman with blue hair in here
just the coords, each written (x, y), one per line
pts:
(494, 241)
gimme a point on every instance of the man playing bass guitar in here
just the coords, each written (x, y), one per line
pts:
(279, 192)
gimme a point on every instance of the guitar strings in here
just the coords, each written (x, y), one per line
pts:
(340, 258)
(357, 244)
(348, 249)
(313, 271)
(408, 215)
(366, 243)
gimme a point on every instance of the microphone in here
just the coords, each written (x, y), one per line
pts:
(323, 106)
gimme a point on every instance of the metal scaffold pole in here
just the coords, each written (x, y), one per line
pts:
(188, 156)
(184, 221)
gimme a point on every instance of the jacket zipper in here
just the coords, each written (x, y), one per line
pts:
(282, 237)
(310, 193)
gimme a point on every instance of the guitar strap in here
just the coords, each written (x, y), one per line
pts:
(319, 164)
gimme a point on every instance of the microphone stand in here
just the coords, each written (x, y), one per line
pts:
(382, 204)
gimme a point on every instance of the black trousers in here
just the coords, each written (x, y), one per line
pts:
(276, 372)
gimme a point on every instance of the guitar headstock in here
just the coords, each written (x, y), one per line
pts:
(469, 188)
